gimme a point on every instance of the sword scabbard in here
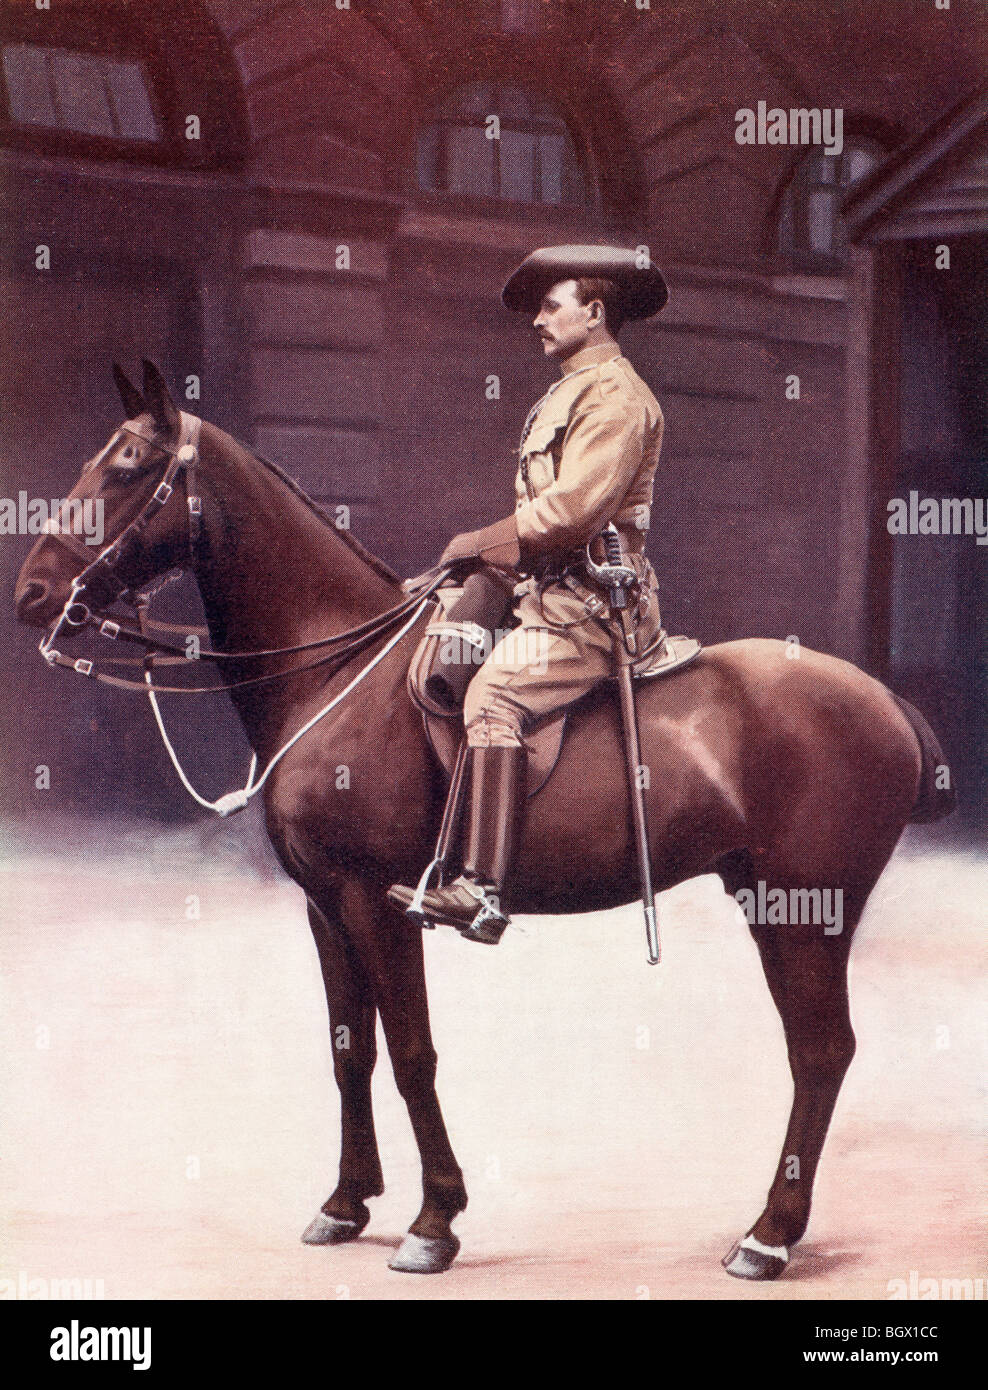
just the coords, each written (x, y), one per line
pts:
(632, 747)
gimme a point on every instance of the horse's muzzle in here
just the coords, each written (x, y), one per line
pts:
(32, 602)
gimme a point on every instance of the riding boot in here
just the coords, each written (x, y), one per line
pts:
(476, 902)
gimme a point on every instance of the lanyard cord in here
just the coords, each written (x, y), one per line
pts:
(237, 800)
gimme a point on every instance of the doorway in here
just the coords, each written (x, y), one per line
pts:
(938, 600)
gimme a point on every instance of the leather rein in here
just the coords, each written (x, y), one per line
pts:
(101, 575)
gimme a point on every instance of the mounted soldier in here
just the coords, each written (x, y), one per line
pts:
(587, 461)
(770, 786)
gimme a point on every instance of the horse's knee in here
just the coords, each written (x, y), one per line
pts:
(414, 1072)
(824, 1057)
(353, 1074)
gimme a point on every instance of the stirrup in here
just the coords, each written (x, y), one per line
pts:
(414, 910)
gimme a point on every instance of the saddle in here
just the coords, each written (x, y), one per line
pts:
(458, 639)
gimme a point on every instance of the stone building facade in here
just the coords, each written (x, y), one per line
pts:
(325, 258)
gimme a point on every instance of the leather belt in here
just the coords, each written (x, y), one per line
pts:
(574, 561)
(557, 567)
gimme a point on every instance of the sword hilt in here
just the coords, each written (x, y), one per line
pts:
(614, 574)
(612, 544)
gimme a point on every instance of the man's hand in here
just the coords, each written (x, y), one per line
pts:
(495, 545)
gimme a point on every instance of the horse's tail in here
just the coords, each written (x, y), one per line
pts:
(933, 801)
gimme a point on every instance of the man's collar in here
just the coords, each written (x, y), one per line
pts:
(591, 357)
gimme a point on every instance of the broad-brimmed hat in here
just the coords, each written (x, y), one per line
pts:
(643, 289)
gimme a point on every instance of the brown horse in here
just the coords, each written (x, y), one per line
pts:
(796, 773)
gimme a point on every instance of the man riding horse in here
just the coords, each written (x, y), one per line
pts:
(588, 455)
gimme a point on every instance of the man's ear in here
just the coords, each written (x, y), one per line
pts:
(133, 401)
(158, 399)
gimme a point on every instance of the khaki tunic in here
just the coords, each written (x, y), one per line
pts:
(588, 456)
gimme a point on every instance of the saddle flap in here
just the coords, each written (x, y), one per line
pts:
(544, 744)
(545, 741)
(671, 654)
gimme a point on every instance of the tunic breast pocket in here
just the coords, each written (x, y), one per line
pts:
(541, 454)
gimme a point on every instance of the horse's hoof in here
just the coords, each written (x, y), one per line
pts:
(425, 1254)
(749, 1259)
(332, 1230)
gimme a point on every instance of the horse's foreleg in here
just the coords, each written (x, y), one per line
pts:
(392, 951)
(807, 976)
(352, 1022)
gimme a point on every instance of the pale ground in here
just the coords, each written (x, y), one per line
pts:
(618, 1125)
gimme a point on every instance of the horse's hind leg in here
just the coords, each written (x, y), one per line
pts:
(807, 976)
(352, 1022)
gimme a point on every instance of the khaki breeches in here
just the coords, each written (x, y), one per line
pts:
(542, 665)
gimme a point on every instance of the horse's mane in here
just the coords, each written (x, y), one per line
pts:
(378, 566)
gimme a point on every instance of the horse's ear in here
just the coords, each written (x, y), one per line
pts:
(133, 401)
(158, 400)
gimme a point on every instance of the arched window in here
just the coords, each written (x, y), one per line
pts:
(811, 229)
(97, 80)
(491, 140)
(68, 89)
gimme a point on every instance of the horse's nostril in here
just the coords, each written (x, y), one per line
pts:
(32, 596)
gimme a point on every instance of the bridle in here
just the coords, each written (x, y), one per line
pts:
(102, 573)
(101, 576)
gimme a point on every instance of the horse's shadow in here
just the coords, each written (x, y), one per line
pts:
(819, 1262)
(383, 1242)
(812, 1261)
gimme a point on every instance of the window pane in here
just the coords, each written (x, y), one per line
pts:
(26, 72)
(553, 150)
(427, 157)
(820, 220)
(131, 103)
(534, 160)
(518, 165)
(810, 224)
(84, 92)
(469, 161)
(80, 94)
